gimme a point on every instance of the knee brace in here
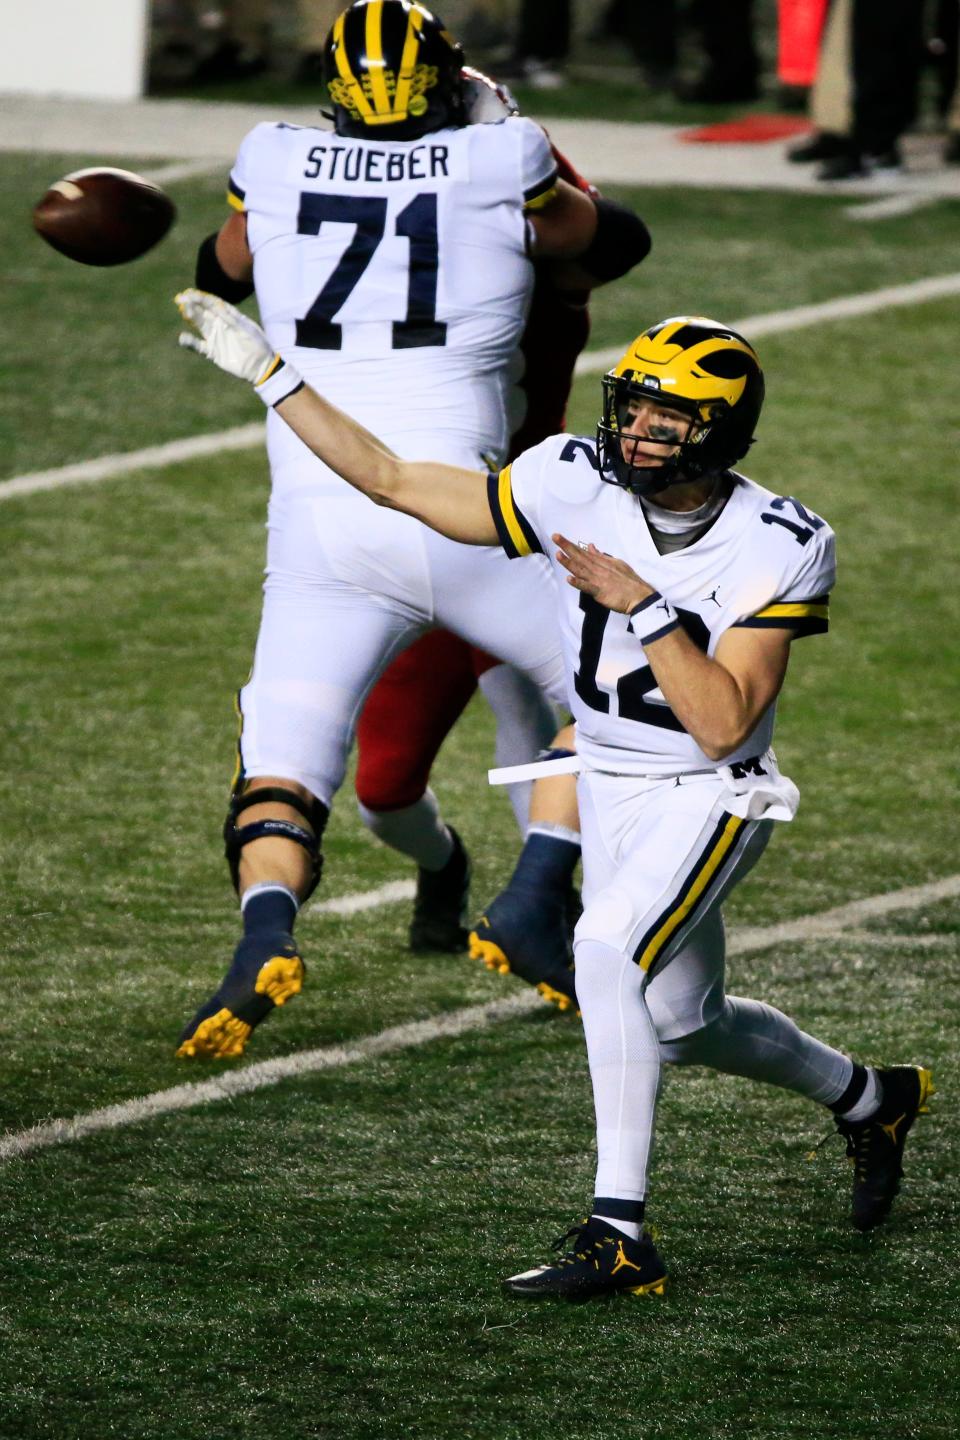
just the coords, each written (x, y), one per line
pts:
(236, 836)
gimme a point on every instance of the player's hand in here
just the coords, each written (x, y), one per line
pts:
(611, 582)
(228, 338)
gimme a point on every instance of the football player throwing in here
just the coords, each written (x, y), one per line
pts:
(674, 658)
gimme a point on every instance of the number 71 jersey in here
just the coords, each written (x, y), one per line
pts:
(400, 265)
(766, 561)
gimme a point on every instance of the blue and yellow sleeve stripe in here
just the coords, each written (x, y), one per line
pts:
(236, 198)
(517, 535)
(542, 193)
(803, 617)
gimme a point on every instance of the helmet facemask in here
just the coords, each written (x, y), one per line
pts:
(664, 452)
(705, 380)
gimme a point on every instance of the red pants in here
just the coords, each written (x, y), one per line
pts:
(420, 696)
(408, 715)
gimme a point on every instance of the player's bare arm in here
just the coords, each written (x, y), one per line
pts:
(224, 264)
(565, 226)
(718, 701)
(450, 500)
(590, 241)
(232, 250)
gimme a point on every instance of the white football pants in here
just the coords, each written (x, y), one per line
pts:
(658, 860)
(349, 584)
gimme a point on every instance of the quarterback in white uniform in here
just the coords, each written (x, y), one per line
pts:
(674, 655)
(392, 265)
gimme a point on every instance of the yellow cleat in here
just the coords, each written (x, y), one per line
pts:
(491, 954)
(220, 1037)
(267, 971)
(281, 978)
(510, 948)
(557, 997)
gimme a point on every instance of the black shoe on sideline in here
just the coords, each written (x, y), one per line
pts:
(824, 145)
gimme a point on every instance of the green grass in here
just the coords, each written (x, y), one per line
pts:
(322, 1259)
(621, 96)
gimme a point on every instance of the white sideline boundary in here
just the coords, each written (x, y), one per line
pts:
(593, 362)
(423, 1032)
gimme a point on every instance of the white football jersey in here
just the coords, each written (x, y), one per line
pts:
(765, 561)
(395, 275)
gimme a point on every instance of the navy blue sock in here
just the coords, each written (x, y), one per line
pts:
(619, 1209)
(546, 865)
(269, 910)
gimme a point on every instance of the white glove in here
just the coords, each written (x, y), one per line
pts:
(236, 344)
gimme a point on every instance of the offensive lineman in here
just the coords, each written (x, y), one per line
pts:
(419, 697)
(392, 260)
(674, 661)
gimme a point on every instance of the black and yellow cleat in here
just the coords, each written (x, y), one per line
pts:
(439, 921)
(518, 936)
(875, 1146)
(267, 971)
(599, 1262)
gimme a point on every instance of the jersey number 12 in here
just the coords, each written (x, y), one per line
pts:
(418, 223)
(633, 688)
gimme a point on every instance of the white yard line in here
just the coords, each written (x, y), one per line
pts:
(388, 894)
(245, 437)
(890, 207)
(889, 940)
(779, 322)
(232, 1083)
(842, 917)
(185, 170)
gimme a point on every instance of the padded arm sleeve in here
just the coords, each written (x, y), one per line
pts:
(210, 275)
(621, 241)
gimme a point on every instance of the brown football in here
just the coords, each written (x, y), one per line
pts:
(103, 216)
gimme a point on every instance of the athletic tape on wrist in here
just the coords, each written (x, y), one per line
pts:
(279, 382)
(652, 619)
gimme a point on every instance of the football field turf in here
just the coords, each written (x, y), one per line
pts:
(322, 1257)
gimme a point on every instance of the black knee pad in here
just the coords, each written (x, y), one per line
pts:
(236, 836)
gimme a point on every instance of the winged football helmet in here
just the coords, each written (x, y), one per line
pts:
(393, 71)
(695, 366)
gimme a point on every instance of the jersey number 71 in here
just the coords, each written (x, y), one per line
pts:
(418, 222)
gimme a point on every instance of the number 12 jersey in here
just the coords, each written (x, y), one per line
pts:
(766, 561)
